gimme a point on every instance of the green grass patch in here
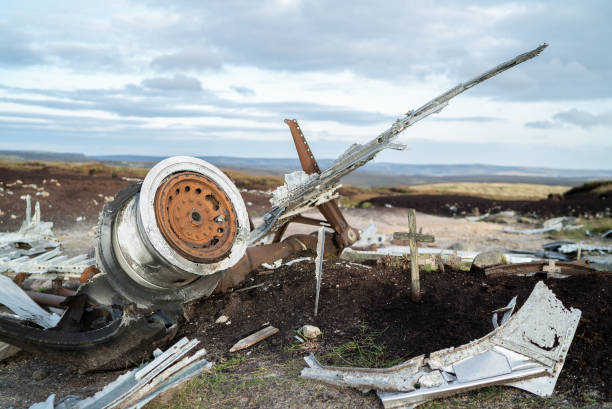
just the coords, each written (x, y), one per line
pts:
(362, 351)
(596, 228)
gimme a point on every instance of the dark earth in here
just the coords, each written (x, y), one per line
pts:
(357, 302)
(578, 205)
(75, 196)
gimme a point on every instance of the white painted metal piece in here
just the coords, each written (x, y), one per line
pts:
(15, 299)
(136, 388)
(507, 310)
(485, 365)
(319, 265)
(316, 190)
(527, 351)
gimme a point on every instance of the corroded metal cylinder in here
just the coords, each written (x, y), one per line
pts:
(187, 220)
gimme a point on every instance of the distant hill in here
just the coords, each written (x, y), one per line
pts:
(372, 174)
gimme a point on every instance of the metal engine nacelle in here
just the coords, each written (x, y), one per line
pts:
(169, 237)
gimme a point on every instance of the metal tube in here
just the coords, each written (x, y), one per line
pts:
(45, 299)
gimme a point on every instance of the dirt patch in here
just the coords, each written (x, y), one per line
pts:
(360, 306)
(357, 302)
(584, 205)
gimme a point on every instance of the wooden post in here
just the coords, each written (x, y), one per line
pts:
(413, 237)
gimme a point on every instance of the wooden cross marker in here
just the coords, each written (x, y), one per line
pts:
(414, 237)
(552, 270)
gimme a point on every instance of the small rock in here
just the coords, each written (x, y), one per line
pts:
(488, 259)
(39, 374)
(310, 331)
(222, 319)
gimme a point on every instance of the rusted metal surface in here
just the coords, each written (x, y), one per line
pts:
(535, 267)
(88, 273)
(50, 300)
(195, 217)
(330, 210)
(307, 160)
(256, 256)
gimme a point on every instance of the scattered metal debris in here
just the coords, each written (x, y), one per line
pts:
(136, 388)
(18, 301)
(527, 352)
(184, 232)
(33, 237)
(321, 189)
(369, 236)
(561, 269)
(586, 248)
(36, 238)
(556, 224)
(254, 338)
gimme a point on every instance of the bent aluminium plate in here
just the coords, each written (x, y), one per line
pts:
(527, 352)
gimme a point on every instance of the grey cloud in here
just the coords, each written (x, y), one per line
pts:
(187, 59)
(15, 51)
(539, 124)
(144, 102)
(246, 91)
(177, 83)
(86, 56)
(478, 119)
(576, 117)
(584, 119)
(393, 40)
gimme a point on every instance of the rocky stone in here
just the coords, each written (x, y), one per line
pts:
(488, 259)
(310, 331)
(222, 319)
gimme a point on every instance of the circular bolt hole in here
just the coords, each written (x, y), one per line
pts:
(196, 216)
(198, 190)
(177, 191)
(219, 230)
(187, 188)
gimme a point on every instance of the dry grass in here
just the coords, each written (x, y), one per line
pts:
(507, 191)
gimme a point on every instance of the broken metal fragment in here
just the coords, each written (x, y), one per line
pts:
(573, 268)
(136, 388)
(508, 310)
(319, 266)
(527, 352)
(320, 188)
(18, 301)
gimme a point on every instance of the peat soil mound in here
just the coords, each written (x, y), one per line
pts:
(583, 205)
(77, 196)
(357, 300)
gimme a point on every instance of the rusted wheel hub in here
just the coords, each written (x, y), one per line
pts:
(196, 217)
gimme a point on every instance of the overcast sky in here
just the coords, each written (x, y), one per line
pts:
(218, 78)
